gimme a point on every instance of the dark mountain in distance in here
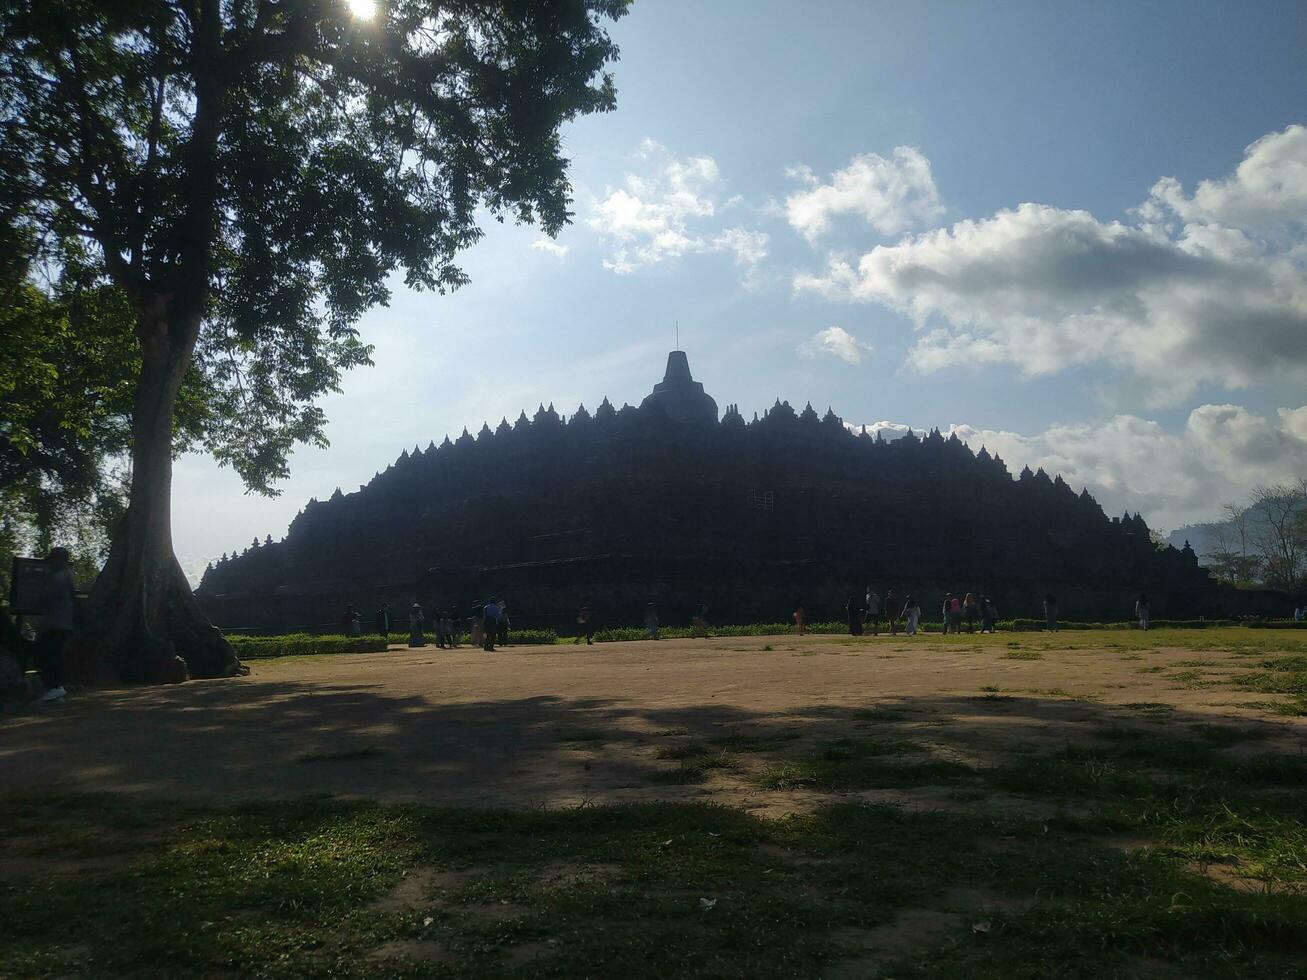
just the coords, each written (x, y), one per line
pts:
(667, 503)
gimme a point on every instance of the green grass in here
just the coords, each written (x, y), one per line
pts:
(1019, 654)
(1287, 675)
(317, 887)
(112, 886)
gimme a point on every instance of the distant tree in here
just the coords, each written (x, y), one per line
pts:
(1280, 533)
(1228, 556)
(246, 175)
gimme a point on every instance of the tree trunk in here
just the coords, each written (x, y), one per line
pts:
(144, 624)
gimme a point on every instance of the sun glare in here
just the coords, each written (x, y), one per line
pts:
(362, 9)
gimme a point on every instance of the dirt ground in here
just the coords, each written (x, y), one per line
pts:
(565, 725)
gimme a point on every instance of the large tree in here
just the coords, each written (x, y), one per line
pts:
(248, 174)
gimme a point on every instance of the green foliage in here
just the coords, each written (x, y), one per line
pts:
(66, 371)
(1034, 625)
(303, 644)
(263, 168)
(310, 644)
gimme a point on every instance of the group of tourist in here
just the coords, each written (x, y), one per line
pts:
(868, 609)
(487, 624)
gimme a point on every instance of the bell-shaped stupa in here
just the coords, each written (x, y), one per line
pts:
(679, 396)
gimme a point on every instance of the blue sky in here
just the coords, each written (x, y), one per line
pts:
(943, 214)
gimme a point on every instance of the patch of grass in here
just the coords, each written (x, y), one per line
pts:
(861, 763)
(697, 767)
(1292, 708)
(1023, 655)
(683, 750)
(1057, 692)
(1191, 679)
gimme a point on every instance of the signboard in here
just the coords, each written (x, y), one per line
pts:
(28, 584)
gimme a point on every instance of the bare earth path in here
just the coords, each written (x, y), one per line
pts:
(562, 725)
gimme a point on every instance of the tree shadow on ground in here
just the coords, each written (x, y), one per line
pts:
(262, 739)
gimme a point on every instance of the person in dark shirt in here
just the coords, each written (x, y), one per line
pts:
(57, 610)
(853, 611)
(489, 625)
(585, 626)
(383, 620)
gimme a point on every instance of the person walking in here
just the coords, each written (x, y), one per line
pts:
(475, 625)
(451, 630)
(892, 610)
(1142, 612)
(439, 620)
(503, 623)
(800, 617)
(988, 615)
(57, 608)
(585, 628)
(489, 625)
(383, 621)
(699, 623)
(970, 612)
(416, 626)
(1050, 611)
(651, 621)
(349, 621)
(944, 611)
(853, 612)
(872, 604)
(911, 614)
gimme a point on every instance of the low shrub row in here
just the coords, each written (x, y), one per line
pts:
(1277, 624)
(1023, 625)
(302, 644)
(305, 644)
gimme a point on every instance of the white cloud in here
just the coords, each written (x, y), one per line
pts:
(750, 247)
(1129, 462)
(550, 246)
(1266, 194)
(661, 215)
(890, 195)
(837, 341)
(1176, 299)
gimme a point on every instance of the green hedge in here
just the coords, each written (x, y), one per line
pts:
(1022, 625)
(301, 644)
(1277, 624)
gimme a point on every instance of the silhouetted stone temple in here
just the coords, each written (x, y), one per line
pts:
(666, 503)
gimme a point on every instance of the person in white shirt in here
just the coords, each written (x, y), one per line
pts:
(873, 610)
